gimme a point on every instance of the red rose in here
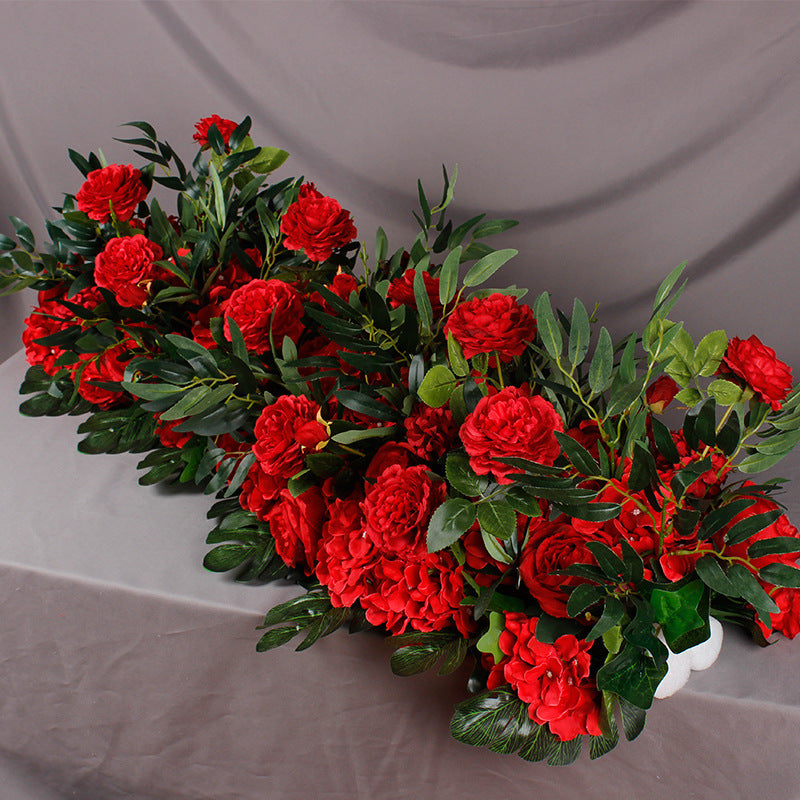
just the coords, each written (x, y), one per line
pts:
(296, 524)
(342, 285)
(497, 323)
(660, 393)
(398, 508)
(260, 307)
(225, 126)
(126, 268)
(553, 679)
(168, 436)
(316, 224)
(430, 431)
(401, 292)
(424, 595)
(553, 545)
(757, 365)
(285, 431)
(116, 186)
(387, 455)
(511, 423)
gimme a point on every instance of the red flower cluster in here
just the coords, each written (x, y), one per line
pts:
(118, 188)
(316, 224)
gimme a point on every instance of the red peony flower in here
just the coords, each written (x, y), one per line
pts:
(401, 292)
(225, 126)
(787, 620)
(660, 393)
(760, 369)
(126, 268)
(423, 595)
(168, 436)
(430, 431)
(260, 307)
(387, 455)
(285, 432)
(553, 679)
(398, 508)
(296, 524)
(316, 224)
(553, 545)
(511, 423)
(116, 186)
(497, 323)
(108, 366)
(342, 285)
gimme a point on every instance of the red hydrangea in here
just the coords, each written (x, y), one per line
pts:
(511, 423)
(423, 595)
(296, 524)
(126, 267)
(398, 508)
(787, 620)
(430, 432)
(494, 324)
(553, 679)
(225, 126)
(760, 369)
(401, 292)
(316, 224)
(260, 490)
(260, 307)
(285, 431)
(117, 186)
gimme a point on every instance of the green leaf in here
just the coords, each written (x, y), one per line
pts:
(682, 614)
(583, 597)
(449, 522)
(460, 475)
(364, 404)
(688, 397)
(781, 575)
(613, 614)
(268, 160)
(666, 286)
(547, 327)
(717, 519)
(490, 641)
(484, 268)
(751, 590)
(24, 234)
(455, 357)
(681, 351)
(611, 564)
(602, 364)
(448, 276)
(579, 333)
(437, 386)
(711, 573)
(227, 557)
(422, 300)
(579, 456)
(497, 519)
(632, 675)
(758, 462)
(775, 546)
(664, 441)
(747, 527)
(725, 392)
(633, 719)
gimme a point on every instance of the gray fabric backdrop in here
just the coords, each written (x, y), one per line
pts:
(625, 136)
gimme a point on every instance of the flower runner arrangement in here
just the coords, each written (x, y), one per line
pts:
(488, 483)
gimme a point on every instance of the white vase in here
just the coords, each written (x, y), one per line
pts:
(680, 665)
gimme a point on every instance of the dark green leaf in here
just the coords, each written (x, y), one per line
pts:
(781, 574)
(632, 675)
(449, 522)
(484, 268)
(747, 527)
(497, 519)
(578, 455)
(775, 546)
(602, 365)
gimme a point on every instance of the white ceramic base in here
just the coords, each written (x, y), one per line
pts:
(680, 665)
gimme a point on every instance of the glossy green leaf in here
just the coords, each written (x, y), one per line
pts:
(484, 268)
(497, 519)
(547, 328)
(449, 522)
(437, 386)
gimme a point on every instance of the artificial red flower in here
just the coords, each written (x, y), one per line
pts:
(660, 393)
(760, 369)
(401, 292)
(126, 267)
(260, 490)
(296, 524)
(107, 367)
(225, 127)
(117, 186)
(316, 224)
(430, 432)
(787, 620)
(511, 423)
(285, 431)
(398, 508)
(494, 324)
(553, 679)
(261, 308)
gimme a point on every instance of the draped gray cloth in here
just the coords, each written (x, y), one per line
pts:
(626, 137)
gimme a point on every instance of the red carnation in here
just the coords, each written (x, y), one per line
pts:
(758, 366)
(296, 524)
(116, 186)
(398, 508)
(430, 431)
(262, 307)
(553, 679)
(511, 423)
(401, 292)
(497, 323)
(260, 491)
(225, 126)
(285, 431)
(126, 268)
(316, 224)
